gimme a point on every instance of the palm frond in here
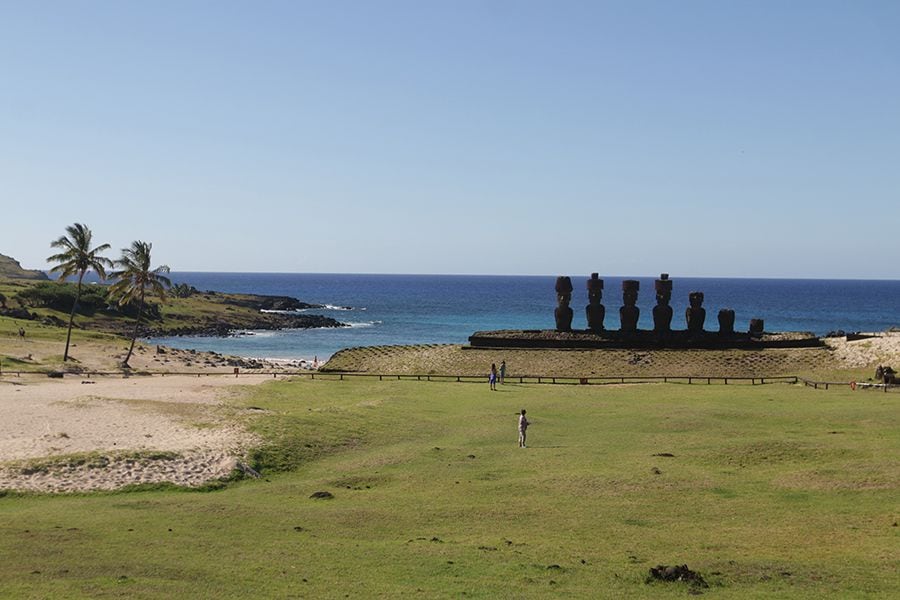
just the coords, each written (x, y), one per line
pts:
(135, 277)
(78, 257)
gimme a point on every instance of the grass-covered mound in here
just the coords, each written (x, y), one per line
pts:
(458, 360)
(763, 491)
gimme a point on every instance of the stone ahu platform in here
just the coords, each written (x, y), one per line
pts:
(708, 340)
(628, 336)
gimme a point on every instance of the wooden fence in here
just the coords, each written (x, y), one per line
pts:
(539, 379)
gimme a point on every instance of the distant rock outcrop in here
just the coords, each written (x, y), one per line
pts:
(11, 269)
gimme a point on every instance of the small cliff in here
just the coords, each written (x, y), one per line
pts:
(11, 269)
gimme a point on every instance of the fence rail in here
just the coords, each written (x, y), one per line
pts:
(460, 378)
(538, 379)
(852, 384)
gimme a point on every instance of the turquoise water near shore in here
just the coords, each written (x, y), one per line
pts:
(435, 309)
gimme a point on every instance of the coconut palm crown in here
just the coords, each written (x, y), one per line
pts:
(77, 258)
(135, 280)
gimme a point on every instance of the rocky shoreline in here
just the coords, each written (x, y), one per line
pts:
(222, 328)
(262, 302)
(242, 312)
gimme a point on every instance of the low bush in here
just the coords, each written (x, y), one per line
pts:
(61, 296)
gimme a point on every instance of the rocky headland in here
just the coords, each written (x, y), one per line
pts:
(11, 269)
(223, 314)
(186, 310)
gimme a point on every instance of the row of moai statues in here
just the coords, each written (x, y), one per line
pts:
(629, 313)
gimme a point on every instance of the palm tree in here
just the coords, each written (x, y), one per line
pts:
(77, 258)
(135, 280)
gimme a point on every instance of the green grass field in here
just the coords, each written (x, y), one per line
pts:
(771, 491)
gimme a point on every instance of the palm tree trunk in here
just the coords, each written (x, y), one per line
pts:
(137, 324)
(72, 316)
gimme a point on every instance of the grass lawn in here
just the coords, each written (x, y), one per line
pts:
(42, 347)
(772, 490)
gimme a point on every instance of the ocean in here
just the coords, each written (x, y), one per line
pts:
(441, 309)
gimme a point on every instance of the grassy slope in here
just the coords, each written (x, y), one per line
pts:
(200, 310)
(10, 268)
(817, 363)
(45, 344)
(772, 490)
(107, 335)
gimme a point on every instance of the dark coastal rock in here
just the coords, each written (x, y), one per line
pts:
(263, 322)
(262, 302)
(244, 363)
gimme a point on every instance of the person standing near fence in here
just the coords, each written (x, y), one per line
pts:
(502, 371)
(492, 378)
(523, 428)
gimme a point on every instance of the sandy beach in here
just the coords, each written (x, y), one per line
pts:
(121, 430)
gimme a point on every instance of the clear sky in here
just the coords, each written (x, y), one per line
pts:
(701, 138)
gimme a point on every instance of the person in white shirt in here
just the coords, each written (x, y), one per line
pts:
(523, 427)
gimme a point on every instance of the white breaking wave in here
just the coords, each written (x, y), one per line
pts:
(364, 324)
(332, 307)
(254, 332)
(303, 310)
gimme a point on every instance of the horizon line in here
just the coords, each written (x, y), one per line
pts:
(383, 274)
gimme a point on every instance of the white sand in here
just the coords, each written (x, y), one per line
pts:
(114, 417)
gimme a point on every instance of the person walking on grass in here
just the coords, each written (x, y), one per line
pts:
(502, 371)
(523, 428)
(493, 377)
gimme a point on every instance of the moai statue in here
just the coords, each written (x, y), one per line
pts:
(595, 311)
(726, 321)
(563, 313)
(757, 326)
(662, 312)
(695, 314)
(629, 313)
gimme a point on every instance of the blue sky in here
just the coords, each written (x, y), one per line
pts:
(745, 139)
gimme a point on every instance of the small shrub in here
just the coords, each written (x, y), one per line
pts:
(182, 290)
(61, 296)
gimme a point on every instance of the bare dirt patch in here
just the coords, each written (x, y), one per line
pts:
(61, 436)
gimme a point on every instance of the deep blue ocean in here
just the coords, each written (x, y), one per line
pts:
(424, 309)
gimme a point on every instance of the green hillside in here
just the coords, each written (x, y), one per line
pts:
(11, 269)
